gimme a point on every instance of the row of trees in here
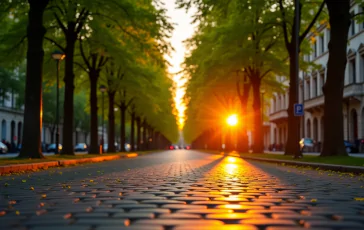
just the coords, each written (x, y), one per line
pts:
(242, 46)
(119, 44)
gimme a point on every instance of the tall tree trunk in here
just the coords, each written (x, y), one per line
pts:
(122, 127)
(68, 148)
(33, 87)
(293, 137)
(145, 128)
(258, 145)
(111, 133)
(242, 144)
(94, 145)
(132, 131)
(339, 13)
(139, 137)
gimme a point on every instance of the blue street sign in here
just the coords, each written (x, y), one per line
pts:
(298, 109)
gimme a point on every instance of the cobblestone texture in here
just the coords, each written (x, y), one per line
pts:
(182, 190)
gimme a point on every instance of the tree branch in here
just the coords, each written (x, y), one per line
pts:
(82, 67)
(84, 56)
(265, 73)
(64, 29)
(129, 102)
(81, 21)
(56, 43)
(303, 36)
(284, 24)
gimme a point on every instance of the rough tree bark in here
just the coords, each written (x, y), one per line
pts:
(243, 145)
(139, 136)
(94, 146)
(111, 116)
(122, 126)
(339, 13)
(33, 86)
(132, 129)
(258, 145)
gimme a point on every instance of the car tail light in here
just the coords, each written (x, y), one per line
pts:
(188, 147)
(171, 147)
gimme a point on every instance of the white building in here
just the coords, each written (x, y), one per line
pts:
(11, 119)
(311, 95)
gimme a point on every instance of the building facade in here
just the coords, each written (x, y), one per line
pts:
(311, 95)
(11, 119)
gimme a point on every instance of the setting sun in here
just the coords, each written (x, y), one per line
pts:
(232, 120)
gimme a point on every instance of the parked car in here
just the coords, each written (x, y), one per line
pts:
(52, 148)
(307, 145)
(80, 147)
(3, 148)
(350, 147)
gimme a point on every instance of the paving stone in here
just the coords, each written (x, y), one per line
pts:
(180, 216)
(182, 190)
(222, 227)
(333, 224)
(151, 210)
(103, 222)
(175, 222)
(268, 222)
(131, 227)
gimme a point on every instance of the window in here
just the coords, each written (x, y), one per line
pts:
(352, 71)
(314, 87)
(308, 90)
(362, 10)
(352, 24)
(361, 79)
(322, 44)
(322, 82)
(315, 49)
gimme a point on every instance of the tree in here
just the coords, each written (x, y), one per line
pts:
(339, 13)
(31, 146)
(290, 40)
(237, 37)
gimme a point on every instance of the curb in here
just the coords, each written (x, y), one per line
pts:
(60, 163)
(332, 167)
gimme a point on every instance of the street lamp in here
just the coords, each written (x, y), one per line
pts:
(262, 92)
(58, 56)
(102, 89)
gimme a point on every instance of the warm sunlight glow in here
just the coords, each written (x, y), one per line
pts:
(179, 91)
(231, 159)
(232, 120)
(230, 168)
(183, 29)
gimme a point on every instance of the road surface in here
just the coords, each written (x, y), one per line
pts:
(181, 189)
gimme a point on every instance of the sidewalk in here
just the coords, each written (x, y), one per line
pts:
(12, 168)
(313, 153)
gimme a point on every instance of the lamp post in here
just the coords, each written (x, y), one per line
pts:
(262, 92)
(103, 89)
(58, 56)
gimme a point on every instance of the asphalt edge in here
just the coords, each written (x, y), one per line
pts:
(332, 167)
(6, 169)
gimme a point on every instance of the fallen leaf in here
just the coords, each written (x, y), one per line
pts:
(31, 188)
(23, 181)
(313, 200)
(44, 195)
(359, 198)
(2, 213)
(67, 216)
(41, 212)
(17, 213)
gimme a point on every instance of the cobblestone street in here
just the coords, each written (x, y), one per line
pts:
(181, 190)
